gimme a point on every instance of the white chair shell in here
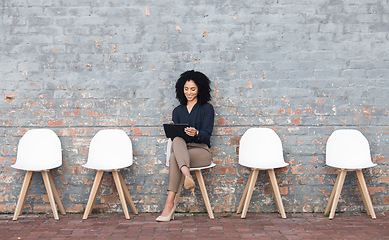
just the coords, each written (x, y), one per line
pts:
(38, 150)
(348, 149)
(261, 148)
(109, 149)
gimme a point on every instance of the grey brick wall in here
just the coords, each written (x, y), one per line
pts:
(303, 68)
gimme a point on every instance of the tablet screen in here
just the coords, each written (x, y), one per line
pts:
(175, 130)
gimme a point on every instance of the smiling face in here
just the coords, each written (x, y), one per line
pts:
(191, 90)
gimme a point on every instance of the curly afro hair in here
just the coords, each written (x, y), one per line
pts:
(202, 82)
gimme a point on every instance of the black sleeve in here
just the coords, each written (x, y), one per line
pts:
(207, 127)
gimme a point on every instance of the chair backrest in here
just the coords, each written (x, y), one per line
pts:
(38, 150)
(109, 149)
(168, 151)
(261, 148)
(348, 149)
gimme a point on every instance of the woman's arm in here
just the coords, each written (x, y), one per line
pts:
(204, 134)
(174, 116)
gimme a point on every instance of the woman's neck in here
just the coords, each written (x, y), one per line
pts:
(190, 104)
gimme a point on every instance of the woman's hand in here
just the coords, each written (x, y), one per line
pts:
(191, 131)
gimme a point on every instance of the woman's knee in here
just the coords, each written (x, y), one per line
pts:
(201, 159)
(178, 140)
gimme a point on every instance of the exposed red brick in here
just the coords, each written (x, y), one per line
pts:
(235, 140)
(374, 190)
(366, 111)
(224, 170)
(221, 121)
(109, 198)
(137, 131)
(384, 179)
(55, 123)
(10, 97)
(296, 121)
(282, 170)
(298, 111)
(94, 114)
(68, 132)
(42, 207)
(75, 208)
(283, 190)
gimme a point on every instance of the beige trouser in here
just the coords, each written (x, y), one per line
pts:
(186, 154)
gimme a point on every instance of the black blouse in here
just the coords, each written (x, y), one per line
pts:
(201, 117)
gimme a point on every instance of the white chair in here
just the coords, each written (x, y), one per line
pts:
(260, 149)
(39, 150)
(199, 177)
(109, 151)
(348, 150)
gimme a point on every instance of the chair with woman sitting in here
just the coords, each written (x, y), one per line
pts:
(190, 152)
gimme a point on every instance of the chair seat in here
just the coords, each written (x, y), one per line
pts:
(93, 166)
(33, 168)
(201, 168)
(353, 168)
(264, 167)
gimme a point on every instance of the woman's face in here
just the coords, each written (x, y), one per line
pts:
(190, 90)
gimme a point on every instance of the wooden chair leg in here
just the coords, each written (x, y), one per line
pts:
(365, 194)
(337, 193)
(122, 198)
(250, 192)
(203, 190)
(276, 192)
(330, 201)
(127, 194)
(362, 194)
(50, 194)
(93, 194)
(240, 207)
(23, 194)
(28, 187)
(56, 196)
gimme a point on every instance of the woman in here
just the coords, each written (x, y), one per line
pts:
(193, 92)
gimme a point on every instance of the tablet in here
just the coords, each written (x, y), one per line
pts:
(175, 130)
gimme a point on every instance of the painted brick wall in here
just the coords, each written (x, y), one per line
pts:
(303, 68)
